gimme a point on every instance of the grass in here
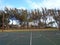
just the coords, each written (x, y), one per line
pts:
(19, 30)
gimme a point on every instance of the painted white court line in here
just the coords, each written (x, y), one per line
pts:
(31, 38)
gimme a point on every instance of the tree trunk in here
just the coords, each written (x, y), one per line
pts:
(3, 23)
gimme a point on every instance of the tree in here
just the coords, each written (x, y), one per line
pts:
(56, 16)
(44, 15)
(0, 19)
(7, 16)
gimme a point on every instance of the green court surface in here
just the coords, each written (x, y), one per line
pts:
(30, 38)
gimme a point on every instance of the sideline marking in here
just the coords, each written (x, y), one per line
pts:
(31, 38)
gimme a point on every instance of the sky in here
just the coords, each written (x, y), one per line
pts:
(30, 4)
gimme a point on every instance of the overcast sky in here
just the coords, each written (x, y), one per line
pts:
(30, 4)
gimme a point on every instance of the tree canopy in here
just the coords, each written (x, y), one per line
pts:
(26, 16)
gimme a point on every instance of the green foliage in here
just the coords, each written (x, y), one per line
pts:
(30, 20)
(29, 16)
(51, 22)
